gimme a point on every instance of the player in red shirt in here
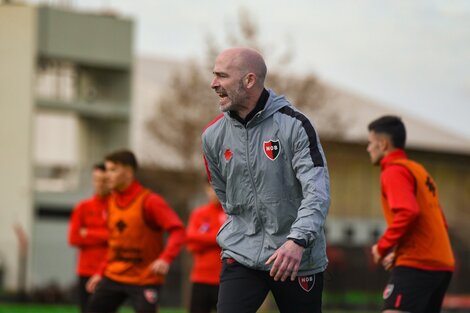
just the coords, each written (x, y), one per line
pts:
(204, 223)
(88, 232)
(415, 245)
(138, 257)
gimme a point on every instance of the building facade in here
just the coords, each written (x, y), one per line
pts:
(65, 101)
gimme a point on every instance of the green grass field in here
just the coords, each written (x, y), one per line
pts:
(31, 308)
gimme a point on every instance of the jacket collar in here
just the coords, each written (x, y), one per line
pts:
(273, 104)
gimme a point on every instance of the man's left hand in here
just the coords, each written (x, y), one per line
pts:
(286, 261)
(160, 267)
(375, 254)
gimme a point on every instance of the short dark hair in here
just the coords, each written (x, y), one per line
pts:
(123, 157)
(393, 127)
(99, 166)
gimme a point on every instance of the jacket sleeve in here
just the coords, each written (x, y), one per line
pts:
(98, 234)
(213, 172)
(159, 214)
(399, 186)
(75, 223)
(94, 236)
(198, 240)
(309, 164)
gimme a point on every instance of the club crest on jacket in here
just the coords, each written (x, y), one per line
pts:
(271, 149)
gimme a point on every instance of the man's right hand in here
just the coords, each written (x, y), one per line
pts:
(92, 283)
(388, 261)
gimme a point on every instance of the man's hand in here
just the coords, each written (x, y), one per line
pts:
(160, 267)
(286, 261)
(375, 254)
(83, 232)
(388, 261)
(92, 283)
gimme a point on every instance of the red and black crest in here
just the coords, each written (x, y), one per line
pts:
(306, 282)
(388, 291)
(151, 295)
(272, 148)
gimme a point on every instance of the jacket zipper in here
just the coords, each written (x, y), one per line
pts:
(255, 194)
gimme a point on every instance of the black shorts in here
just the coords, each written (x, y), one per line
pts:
(83, 295)
(109, 295)
(414, 290)
(243, 290)
(203, 298)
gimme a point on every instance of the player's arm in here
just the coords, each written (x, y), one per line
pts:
(80, 235)
(98, 234)
(213, 173)
(398, 184)
(196, 240)
(95, 279)
(310, 167)
(75, 237)
(160, 215)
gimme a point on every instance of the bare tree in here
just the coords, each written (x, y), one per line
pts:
(189, 104)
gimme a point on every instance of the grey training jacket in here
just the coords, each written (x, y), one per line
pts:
(272, 180)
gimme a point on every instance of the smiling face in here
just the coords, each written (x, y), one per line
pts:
(228, 83)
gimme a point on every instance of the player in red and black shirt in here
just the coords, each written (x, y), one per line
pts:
(138, 257)
(204, 223)
(88, 232)
(415, 245)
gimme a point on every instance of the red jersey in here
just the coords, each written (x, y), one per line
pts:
(204, 223)
(416, 225)
(137, 221)
(89, 214)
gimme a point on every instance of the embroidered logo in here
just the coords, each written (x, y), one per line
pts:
(306, 282)
(388, 291)
(151, 295)
(121, 225)
(228, 154)
(271, 149)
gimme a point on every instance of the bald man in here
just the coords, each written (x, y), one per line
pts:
(266, 164)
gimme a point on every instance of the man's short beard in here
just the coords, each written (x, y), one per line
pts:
(237, 99)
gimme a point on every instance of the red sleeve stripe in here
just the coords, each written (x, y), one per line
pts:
(213, 121)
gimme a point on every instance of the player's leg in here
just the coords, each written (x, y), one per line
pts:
(83, 294)
(303, 295)
(107, 297)
(213, 295)
(144, 299)
(203, 298)
(241, 290)
(437, 297)
(409, 290)
(200, 299)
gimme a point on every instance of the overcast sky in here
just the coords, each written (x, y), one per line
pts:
(412, 55)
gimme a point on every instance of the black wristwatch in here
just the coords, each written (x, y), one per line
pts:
(300, 242)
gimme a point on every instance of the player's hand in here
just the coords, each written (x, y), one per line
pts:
(388, 261)
(286, 261)
(83, 232)
(375, 254)
(160, 267)
(92, 283)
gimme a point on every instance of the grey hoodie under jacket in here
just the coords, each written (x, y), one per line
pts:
(272, 180)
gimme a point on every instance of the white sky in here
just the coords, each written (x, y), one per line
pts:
(413, 55)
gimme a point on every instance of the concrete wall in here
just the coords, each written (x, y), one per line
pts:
(16, 111)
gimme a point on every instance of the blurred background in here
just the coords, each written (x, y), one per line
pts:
(81, 78)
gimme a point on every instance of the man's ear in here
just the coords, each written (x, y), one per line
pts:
(385, 143)
(250, 80)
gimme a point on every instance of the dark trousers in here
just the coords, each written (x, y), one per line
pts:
(243, 290)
